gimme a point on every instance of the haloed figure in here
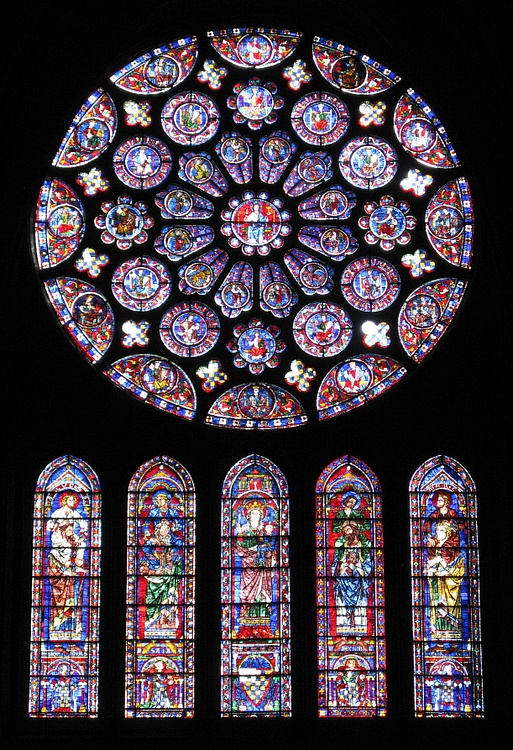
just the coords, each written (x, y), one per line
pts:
(445, 568)
(256, 548)
(351, 568)
(67, 529)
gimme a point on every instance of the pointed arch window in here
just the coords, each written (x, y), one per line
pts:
(350, 591)
(160, 591)
(445, 591)
(255, 671)
(65, 591)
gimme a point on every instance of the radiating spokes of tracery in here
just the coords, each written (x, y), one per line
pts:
(233, 155)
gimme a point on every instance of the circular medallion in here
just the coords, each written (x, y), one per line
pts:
(161, 72)
(254, 49)
(235, 295)
(322, 329)
(198, 170)
(141, 284)
(335, 242)
(256, 345)
(159, 376)
(320, 118)
(277, 295)
(190, 118)
(418, 135)
(89, 310)
(349, 72)
(276, 150)
(93, 134)
(177, 203)
(387, 222)
(334, 203)
(234, 150)
(445, 222)
(313, 276)
(65, 222)
(354, 376)
(370, 284)
(124, 222)
(312, 169)
(368, 162)
(142, 162)
(255, 102)
(422, 311)
(256, 222)
(178, 242)
(256, 401)
(189, 329)
(198, 275)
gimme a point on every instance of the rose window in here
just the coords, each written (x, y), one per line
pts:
(255, 229)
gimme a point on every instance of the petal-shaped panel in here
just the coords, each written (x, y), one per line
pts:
(59, 223)
(157, 381)
(254, 48)
(356, 381)
(426, 314)
(349, 70)
(84, 313)
(160, 69)
(450, 222)
(90, 133)
(421, 132)
(256, 406)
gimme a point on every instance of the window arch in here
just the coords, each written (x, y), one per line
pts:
(160, 591)
(65, 591)
(350, 591)
(255, 651)
(446, 591)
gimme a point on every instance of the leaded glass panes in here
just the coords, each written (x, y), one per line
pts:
(446, 591)
(255, 649)
(160, 591)
(255, 228)
(350, 591)
(65, 591)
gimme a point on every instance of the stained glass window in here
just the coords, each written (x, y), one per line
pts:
(160, 591)
(65, 591)
(255, 669)
(446, 591)
(255, 228)
(350, 591)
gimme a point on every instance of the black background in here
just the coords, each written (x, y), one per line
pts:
(457, 403)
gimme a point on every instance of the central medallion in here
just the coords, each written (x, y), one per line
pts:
(255, 223)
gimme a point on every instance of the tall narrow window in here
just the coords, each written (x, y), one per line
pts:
(65, 591)
(350, 591)
(445, 573)
(255, 669)
(160, 591)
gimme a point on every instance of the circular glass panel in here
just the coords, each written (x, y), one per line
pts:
(236, 215)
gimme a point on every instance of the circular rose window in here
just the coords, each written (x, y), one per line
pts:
(254, 229)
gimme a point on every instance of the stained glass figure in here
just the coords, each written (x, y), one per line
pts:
(252, 167)
(350, 591)
(445, 591)
(65, 591)
(160, 591)
(255, 651)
